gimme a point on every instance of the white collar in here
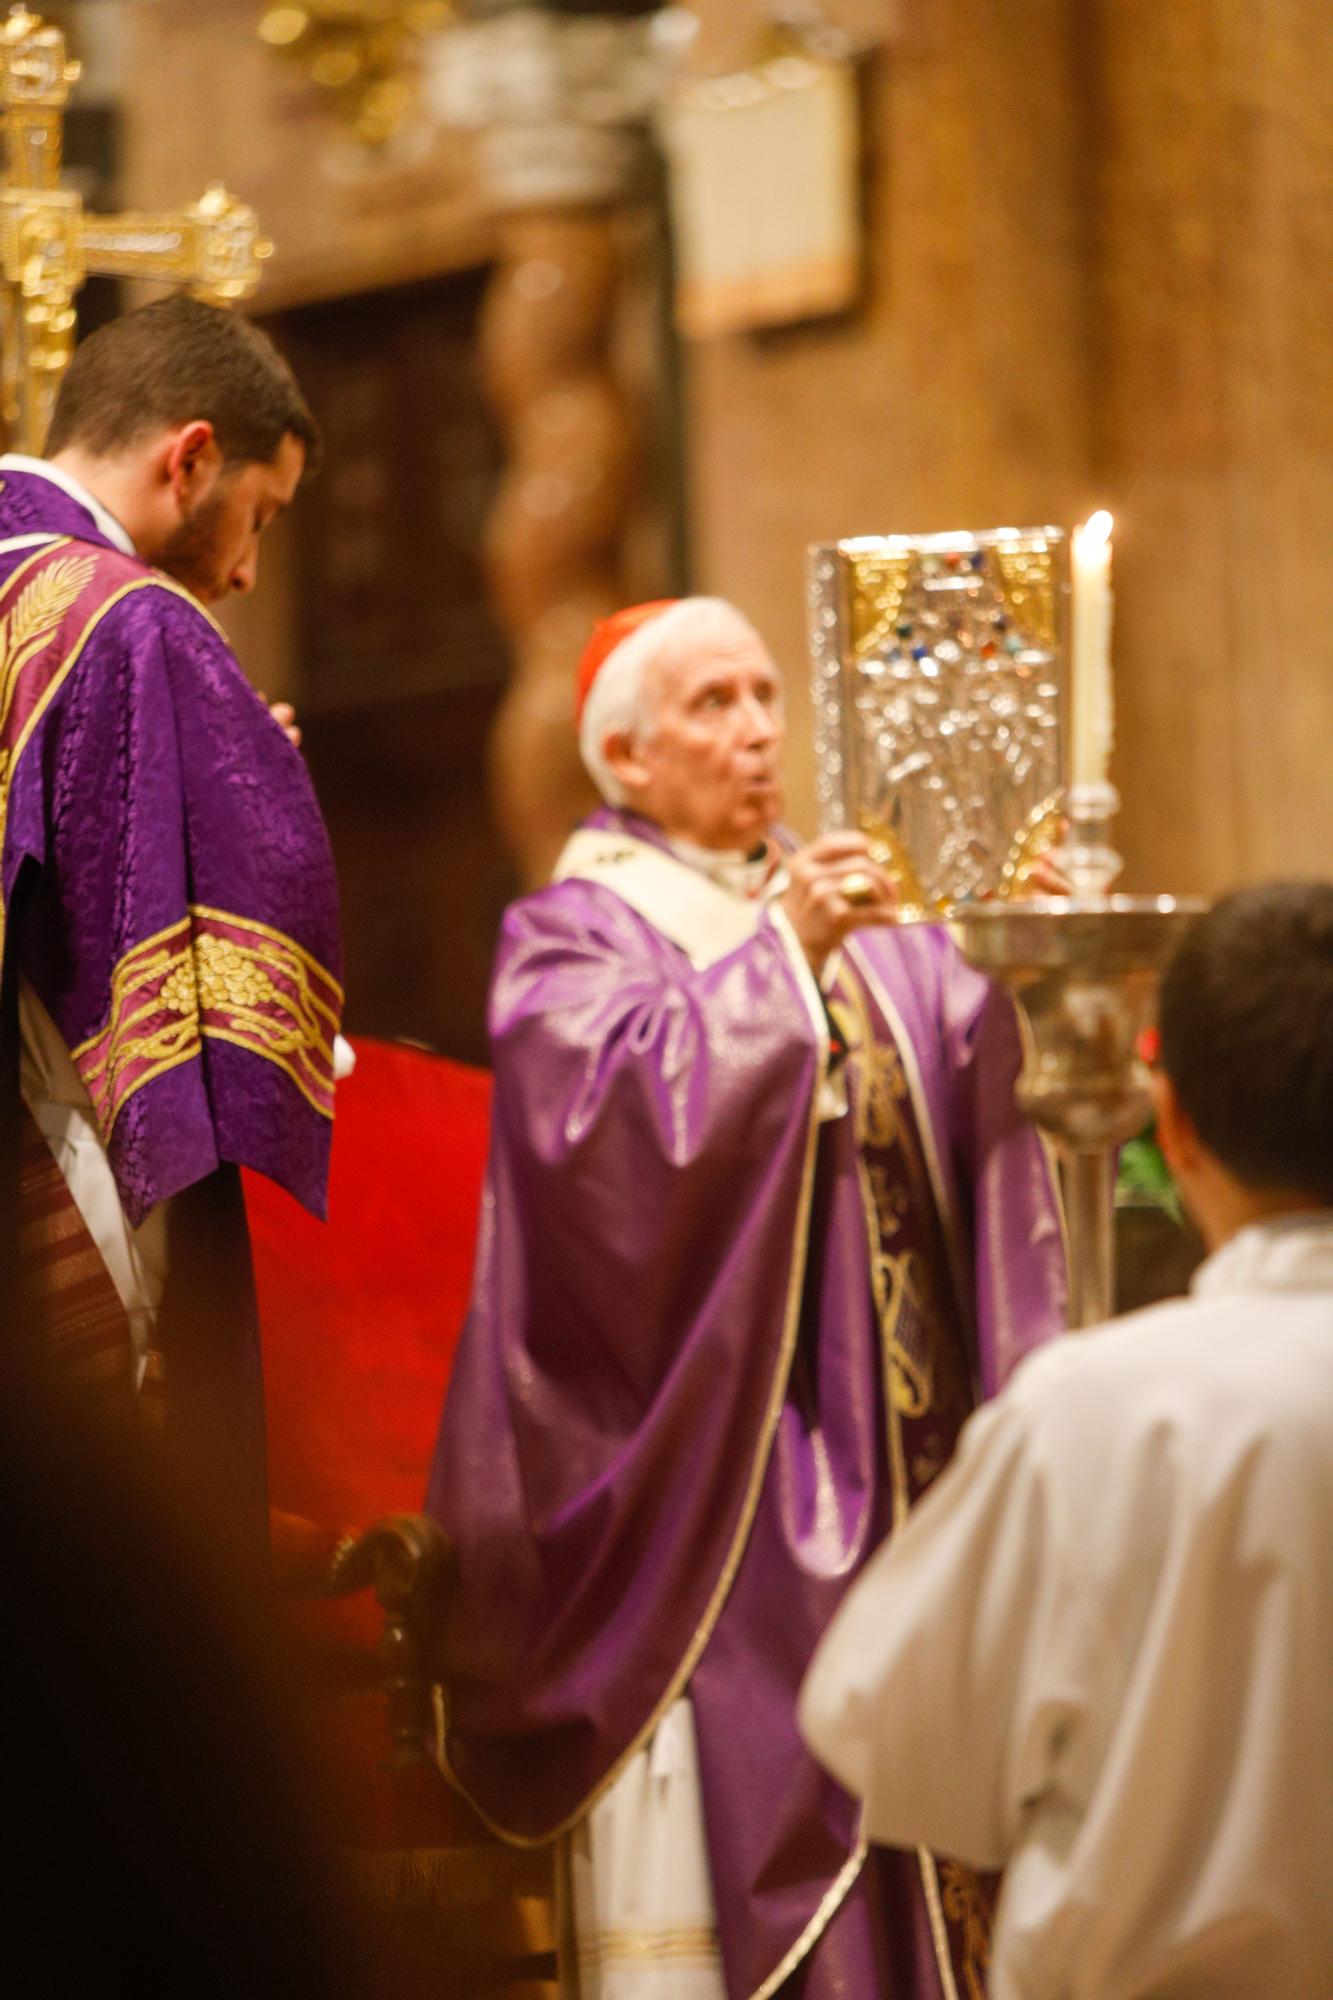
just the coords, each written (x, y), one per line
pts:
(732, 869)
(703, 917)
(41, 468)
(1288, 1253)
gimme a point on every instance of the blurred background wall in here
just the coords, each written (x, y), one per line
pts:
(1098, 270)
(1100, 273)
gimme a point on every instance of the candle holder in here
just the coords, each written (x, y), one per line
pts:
(1084, 971)
(1084, 854)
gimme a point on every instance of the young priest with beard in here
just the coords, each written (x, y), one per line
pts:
(167, 898)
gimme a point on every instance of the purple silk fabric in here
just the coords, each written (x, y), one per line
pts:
(157, 781)
(623, 1363)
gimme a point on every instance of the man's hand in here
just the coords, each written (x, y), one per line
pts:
(285, 716)
(835, 888)
(1047, 879)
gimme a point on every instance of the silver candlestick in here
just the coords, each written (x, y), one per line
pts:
(1084, 969)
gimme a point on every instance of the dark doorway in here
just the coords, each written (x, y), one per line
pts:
(401, 665)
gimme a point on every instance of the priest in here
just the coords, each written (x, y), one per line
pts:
(1100, 1657)
(168, 907)
(761, 1227)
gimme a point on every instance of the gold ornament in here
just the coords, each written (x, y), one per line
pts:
(362, 55)
(49, 246)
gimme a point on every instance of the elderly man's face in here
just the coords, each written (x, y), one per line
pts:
(707, 767)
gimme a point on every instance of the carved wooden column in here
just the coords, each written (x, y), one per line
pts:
(562, 106)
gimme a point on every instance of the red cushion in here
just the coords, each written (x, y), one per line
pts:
(360, 1316)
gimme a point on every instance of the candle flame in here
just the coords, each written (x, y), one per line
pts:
(1096, 530)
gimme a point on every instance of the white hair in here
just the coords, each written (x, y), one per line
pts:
(616, 705)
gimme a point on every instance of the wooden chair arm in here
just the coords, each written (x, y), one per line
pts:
(407, 1560)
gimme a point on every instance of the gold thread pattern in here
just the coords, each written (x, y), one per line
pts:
(944, 1208)
(37, 615)
(332, 1008)
(29, 626)
(967, 1906)
(878, 587)
(902, 1287)
(1027, 578)
(212, 977)
(899, 1278)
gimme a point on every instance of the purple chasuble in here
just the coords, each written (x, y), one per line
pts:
(167, 889)
(164, 868)
(716, 1347)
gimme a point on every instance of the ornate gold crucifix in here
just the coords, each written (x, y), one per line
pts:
(49, 244)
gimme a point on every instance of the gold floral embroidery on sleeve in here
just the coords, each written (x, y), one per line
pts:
(213, 977)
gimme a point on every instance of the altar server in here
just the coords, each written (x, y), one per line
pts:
(1100, 1655)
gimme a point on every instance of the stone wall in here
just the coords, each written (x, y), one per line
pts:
(1099, 273)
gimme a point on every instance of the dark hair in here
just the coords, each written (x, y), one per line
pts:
(1247, 1034)
(176, 362)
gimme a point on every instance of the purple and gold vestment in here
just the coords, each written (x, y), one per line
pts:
(718, 1343)
(166, 884)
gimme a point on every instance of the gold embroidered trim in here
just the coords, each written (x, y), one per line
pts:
(727, 1576)
(965, 1906)
(834, 1897)
(278, 1061)
(157, 958)
(56, 682)
(35, 618)
(8, 681)
(939, 1930)
(34, 621)
(881, 1089)
(900, 1489)
(944, 1207)
(905, 1393)
(698, 1946)
(288, 944)
(160, 581)
(75, 653)
(195, 977)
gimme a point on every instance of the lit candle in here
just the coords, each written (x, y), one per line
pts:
(1090, 687)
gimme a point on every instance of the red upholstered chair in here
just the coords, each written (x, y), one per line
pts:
(360, 1318)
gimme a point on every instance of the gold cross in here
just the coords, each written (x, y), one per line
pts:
(49, 244)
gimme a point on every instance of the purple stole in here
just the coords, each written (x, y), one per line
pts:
(930, 1377)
